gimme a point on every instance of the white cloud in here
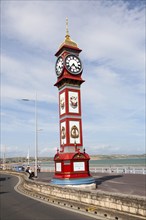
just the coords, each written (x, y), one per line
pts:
(21, 78)
(112, 36)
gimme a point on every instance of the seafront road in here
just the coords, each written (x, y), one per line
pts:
(15, 206)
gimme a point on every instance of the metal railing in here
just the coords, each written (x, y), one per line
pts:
(126, 170)
(99, 169)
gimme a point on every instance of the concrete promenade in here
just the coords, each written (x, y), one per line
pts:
(129, 184)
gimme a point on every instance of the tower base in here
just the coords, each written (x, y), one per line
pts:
(88, 183)
(79, 181)
(72, 169)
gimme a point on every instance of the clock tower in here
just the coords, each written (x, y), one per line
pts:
(71, 160)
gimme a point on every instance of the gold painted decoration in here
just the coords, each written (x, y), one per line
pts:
(68, 41)
(67, 32)
(74, 131)
(62, 103)
(63, 132)
(77, 156)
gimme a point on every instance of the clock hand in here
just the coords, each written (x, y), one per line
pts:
(74, 65)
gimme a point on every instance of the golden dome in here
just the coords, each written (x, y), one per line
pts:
(68, 41)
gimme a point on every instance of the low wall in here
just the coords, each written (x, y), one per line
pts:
(132, 205)
(135, 205)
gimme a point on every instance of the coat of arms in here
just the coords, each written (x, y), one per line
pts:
(74, 131)
(63, 132)
(62, 103)
(74, 101)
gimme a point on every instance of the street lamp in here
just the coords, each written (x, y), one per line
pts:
(36, 136)
(36, 139)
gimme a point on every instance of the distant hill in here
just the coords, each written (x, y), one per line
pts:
(116, 156)
(93, 157)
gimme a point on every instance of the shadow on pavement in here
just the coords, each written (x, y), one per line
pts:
(106, 178)
(3, 192)
(2, 178)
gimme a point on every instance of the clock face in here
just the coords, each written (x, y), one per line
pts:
(59, 66)
(73, 64)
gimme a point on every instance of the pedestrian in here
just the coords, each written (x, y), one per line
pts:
(39, 168)
(31, 173)
(23, 168)
(27, 169)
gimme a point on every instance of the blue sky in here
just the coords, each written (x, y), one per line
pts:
(112, 37)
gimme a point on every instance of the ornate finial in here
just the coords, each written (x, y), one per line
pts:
(68, 41)
(67, 32)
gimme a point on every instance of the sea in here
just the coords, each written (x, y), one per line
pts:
(119, 162)
(134, 162)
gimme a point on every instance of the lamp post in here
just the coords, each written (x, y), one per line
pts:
(36, 135)
(28, 157)
(36, 139)
(4, 158)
